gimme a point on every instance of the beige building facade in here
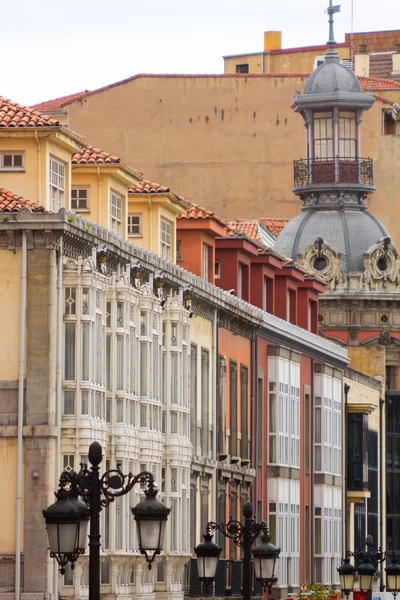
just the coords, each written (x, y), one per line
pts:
(228, 142)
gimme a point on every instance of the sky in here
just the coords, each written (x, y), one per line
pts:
(59, 47)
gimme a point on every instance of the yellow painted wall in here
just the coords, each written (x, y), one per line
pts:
(33, 182)
(23, 183)
(227, 143)
(283, 62)
(368, 360)
(100, 183)
(9, 313)
(8, 469)
(152, 208)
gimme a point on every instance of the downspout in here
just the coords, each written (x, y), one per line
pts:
(381, 467)
(39, 163)
(99, 202)
(346, 521)
(21, 367)
(150, 225)
(215, 413)
(254, 412)
(312, 495)
(59, 353)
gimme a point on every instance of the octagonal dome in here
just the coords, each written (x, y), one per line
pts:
(332, 77)
(350, 232)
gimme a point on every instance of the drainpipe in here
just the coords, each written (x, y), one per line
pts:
(21, 367)
(381, 467)
(254, 412)
(99, 199)
(214, 416)
(59, 353)
(39, 164)
(346, 521)
(312, 499)
(150, 224)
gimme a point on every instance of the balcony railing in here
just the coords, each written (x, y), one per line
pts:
(333, 170)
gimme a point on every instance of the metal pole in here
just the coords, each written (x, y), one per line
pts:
(95, 457)
(247, 543)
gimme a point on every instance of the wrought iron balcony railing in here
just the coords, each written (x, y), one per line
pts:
(333, 170)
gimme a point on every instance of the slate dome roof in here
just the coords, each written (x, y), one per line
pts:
(351, 232)
(332, 77)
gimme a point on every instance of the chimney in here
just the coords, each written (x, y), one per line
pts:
(361, 64)
(396, 59)
(362, 48)
(272, 40)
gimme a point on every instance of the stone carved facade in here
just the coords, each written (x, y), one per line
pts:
(381, 267)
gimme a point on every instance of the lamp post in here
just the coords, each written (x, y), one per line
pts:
(365, 562)
(244, 535)
(67, 519)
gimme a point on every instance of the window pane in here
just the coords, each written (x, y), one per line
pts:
(85, 402)
(85, 350)
(69, 358)
(69, 402)
(143, 369)
(120, 362)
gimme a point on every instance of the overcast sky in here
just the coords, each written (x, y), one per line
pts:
(51, 48)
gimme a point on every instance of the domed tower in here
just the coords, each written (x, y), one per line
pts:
(335, 231)
(338, 238)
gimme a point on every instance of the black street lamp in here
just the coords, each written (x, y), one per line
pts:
(67, 519)
(244, 535)
(393, 576)
(366, 563)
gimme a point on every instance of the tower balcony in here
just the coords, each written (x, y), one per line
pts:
(325, 172)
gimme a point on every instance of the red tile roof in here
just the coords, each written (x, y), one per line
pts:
(373, 83)
(95, 156)
(148, 187)
(381, 65)
(57, 103)
(15, 115)
(10, 202)
(195, 211)
(249, 227)
(273, 225)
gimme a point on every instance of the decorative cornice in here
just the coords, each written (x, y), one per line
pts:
(81, 236)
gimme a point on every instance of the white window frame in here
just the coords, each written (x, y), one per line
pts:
(329, 500)
(12, 167)
(328, 403)
(57, 170)
(78, 188)
(115, 211)
(139, 224)
(284, 389)
(284, 494)
(166, 232)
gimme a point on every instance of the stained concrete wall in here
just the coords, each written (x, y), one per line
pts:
(226, 142)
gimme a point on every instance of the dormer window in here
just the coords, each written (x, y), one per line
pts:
(12, 161)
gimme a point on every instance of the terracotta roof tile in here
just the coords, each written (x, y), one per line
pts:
(250, 228)
(10, 202)
(15, 115)
(148, 187)
(195, 211)
(381, 65)
(95, 156)
(57, 103)
(274, 226)
(372, 83)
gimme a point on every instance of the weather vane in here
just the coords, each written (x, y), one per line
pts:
(331, 11)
